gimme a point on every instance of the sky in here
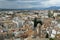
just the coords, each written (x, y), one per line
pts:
(16, 4)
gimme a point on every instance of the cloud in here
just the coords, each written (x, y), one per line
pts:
(18, 3)
(28, 3)
(11, 0)
(14, 5)
(49, 3)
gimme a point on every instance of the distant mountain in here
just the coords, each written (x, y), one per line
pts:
(52, 8)
(49, 8)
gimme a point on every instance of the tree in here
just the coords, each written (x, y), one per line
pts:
(50, 14)
(35, 22)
